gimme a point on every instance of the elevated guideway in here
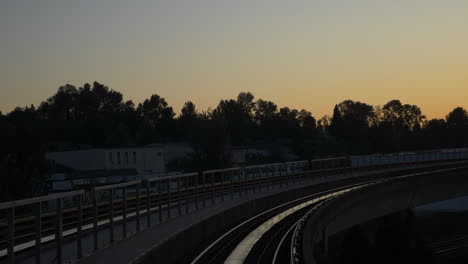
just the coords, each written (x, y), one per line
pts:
(373, 201)
(277, 237)
(167, 219)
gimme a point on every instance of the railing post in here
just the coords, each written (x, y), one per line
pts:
(179, 198)
(283, 174)
(160, 201)
(95, 219)
(59, 231)
(273, 174)
(261, 178)
(279, 174)
(196, 190)
(168, 199)
(269, 174)
(254, 180)
(251, 183)
(232, 184)
(222, 186)
(204, 189)
(148, 203)
(79, 243)
(124, 211)
(111, 216)
(239, 183)
(187, 182)
(11, 235)
(137, 189)
(38, 232)
(213, 192)
(248, 181)
(280, 170)
(294, 176)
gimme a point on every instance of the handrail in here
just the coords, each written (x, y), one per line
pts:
(223, 170)
(72, 193)
(117, 185)
(171, 177)
(297, 162)
(40, 199)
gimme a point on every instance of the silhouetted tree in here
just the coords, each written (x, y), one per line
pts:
(246, 100)
(98, 116)
(264, 117)
(188, 121)
(288, 123)
(188, 111)
(237, 119)
(323, 124)
(435, 134)
(350, 125)
(307, 121)
(158, 115)
(336, 125)
(457, 122)
(23, 166)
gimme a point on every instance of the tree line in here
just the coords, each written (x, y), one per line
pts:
(98, 116)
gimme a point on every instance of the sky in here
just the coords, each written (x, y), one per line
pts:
(307, 54)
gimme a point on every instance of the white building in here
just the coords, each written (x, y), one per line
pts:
(148, 159)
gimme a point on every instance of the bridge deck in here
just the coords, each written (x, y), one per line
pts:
(135, 246)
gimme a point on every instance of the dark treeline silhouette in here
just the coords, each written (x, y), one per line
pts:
(97, 116)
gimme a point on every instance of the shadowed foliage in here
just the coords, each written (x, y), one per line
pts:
(96, 116)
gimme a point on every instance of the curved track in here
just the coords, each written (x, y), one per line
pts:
(269, 236)
(266, 237)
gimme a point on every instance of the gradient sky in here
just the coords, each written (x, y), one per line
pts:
(307, 54)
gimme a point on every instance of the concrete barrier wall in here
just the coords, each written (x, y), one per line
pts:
(381, 199)
(409, 157)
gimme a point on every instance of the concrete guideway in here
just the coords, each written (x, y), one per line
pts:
(173, 196)
(374, 201)
(243, 249)
(176, 238)
(257, 238)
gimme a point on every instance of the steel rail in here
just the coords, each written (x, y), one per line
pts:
(239, 226)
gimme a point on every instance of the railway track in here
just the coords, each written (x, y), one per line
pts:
(272, 236)
(269, 236)
(450, 246)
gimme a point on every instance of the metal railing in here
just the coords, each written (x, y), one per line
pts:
(111, 210)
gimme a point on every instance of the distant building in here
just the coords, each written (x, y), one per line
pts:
(148, 159)
(265, 151)
(238, 155)
(177, 151)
